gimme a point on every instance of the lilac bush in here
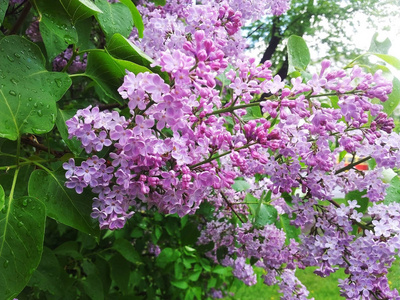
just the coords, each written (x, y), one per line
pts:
(221, 119)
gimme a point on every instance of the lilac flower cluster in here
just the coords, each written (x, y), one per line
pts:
(78, 64)
(186, 141)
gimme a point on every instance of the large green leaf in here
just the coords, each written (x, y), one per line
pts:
(3, 9)
(120, 271)
(28, 92)
(394, 98)
(116, 18)
(73, 144)
(63, 204)
(121, 48)
(55, 27)
(80, 9)
(22, 224)
(92, 284)
(47, 276)
(126, 249)
(298, 54)
(137, 18)
(108, 71)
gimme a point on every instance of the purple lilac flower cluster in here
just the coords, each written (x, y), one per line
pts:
(78, 64)
(186, 142)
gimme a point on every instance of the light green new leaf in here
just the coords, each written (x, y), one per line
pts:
(240, 185)
(121, 48)
(298, 54)
(63, 204)
(22, 224)
(379, 47)
(395, 62)
(108, 72)
(116, 18)
(28, 92)
(393, 191)
(137, 18)
(394, 98)
(265, 214)
(80, 9)
(55, 27)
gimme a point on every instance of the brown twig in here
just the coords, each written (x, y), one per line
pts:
(231, 207)
(32, 142)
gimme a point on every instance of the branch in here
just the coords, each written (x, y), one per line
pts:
(231, 207)
(32, 142)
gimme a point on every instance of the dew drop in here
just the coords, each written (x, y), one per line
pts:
(30, 99)
(10, 58)
(41, 103)
(25, 202)
(17, 55)
(39, 113)
(58, 82)
(12, 93)
(35, 105)
(6, 263)
(20, 224)
(14, 81)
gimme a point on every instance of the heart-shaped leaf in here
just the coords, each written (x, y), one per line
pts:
(28, 92)
(137, 18)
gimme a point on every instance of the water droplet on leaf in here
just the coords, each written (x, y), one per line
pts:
(12, 93)
(6, 263)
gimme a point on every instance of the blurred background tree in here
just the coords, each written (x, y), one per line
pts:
(327, 26)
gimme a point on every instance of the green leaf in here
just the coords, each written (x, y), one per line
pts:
(55, 27)
(84, 29)
(298, 54)
(180, 284)
(80, 9)
(240, 185)
(108, 72)
(126, 250)
(167, 256)
(2, 197)
(393, 191)
(395, 62)
(47, 275)
(292, 232)
(63, 204)
(22, 225)
(190, 233)
(28, 93)
(394, 98)
(92, 284)
(120, 47)
(251, 200)
(73, 144)
(70, 249)
(379, 47)
(116, 17)
(362, 200)
(120, 271)
(265, 214)
(137, 18)
(253, 112)
(159, 2)
(3, 9)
